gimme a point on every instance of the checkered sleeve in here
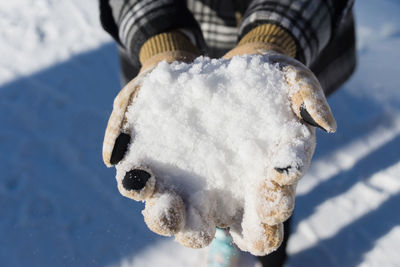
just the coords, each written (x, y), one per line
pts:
(311, 23)
(133, 22)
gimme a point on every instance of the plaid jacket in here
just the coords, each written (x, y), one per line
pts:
(322, 29)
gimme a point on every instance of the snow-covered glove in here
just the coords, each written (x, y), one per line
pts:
(309, 104)
(308, 99)
(139, 183)
(170, 47)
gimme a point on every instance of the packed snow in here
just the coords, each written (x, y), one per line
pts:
(60, 205)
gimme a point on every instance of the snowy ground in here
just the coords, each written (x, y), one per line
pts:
(60, 206)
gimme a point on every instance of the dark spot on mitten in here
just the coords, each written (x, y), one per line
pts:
(135, 179)
(307, 117)
(120, 148)
(283, 170)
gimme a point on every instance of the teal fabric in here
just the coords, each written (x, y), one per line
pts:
(222, 252)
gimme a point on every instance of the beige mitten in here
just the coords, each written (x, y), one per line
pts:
(276, 195)
(170, 46)
(307, 97)
(139, 183)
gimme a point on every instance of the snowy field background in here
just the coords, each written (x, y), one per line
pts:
(59, 205)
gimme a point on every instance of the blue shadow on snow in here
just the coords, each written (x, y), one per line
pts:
(59, 204)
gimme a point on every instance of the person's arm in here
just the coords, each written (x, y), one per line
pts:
(303, 28)
(132, 22)
(298, 31)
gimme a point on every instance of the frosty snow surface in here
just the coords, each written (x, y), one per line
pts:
(214, 128)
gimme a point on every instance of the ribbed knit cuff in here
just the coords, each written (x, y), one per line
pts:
(166, 42)
(273, 35)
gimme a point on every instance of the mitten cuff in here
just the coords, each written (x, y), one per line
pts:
(166, 42)
(273, 36)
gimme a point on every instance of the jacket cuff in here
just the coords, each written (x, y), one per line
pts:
(138, 21)
(273, 35)
(309, 23)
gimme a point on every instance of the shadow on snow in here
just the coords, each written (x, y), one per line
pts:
(356, 119)
(59, 204)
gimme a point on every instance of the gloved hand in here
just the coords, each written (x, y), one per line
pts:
(139, 183)
(170, 46)
(307, 97)
(309, 104)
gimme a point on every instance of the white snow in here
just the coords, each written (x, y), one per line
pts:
(60, 206)
(215, 127)
(213, 130)
(38, 33)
